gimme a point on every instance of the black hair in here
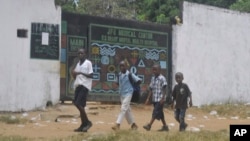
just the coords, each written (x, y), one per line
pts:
(179, 74)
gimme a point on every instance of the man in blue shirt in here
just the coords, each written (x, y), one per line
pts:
(125, 91)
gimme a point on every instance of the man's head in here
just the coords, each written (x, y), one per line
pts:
(156, 69)
(179, 77)
(82, 54)
(123, 66)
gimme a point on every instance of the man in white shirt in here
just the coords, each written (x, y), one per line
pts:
(83, 74)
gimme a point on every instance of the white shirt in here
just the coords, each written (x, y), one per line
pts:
(86, 67)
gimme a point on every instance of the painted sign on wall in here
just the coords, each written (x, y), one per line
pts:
(44, 41)
(139, 48)
(108, 41)
(74, 43)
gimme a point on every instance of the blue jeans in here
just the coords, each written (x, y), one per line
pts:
(180, 117)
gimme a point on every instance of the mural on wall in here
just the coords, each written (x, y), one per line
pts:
(108, 41)
(63, 60)
(139, 48)
(73, 44)
(70, 45)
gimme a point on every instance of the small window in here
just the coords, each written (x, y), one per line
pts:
(22, 33)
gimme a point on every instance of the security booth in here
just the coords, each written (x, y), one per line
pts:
(108, 41)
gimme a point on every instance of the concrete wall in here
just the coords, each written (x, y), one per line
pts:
(212, 49)
(26, 83)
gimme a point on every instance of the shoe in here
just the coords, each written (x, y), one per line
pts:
(186, 125)
(184, 128)
(147, 127)
(86, 128)
(79, 129)
(116, 127)
(134, 126)
(164, 128)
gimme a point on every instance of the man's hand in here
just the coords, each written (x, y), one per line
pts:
(172, 105)
(74, 74)
(147, 101)
(190, 103)
(162, 101)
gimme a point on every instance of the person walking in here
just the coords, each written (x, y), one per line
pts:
(157, 93)
(181, 95)
(83, 74)
(125, 91)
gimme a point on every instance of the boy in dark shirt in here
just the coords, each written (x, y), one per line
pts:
(181, 95)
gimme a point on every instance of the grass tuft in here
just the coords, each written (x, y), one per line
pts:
(12, 138)
(173, 136)
(12, 119)
(227, 110)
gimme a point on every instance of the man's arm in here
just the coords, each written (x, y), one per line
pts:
(173, 97)
(89, 73)
(136, 79)
(190, 100)
(149, 96)
(164, 93)
(189, 96)
(85, 74)
(73, 73)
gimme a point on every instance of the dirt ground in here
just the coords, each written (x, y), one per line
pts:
(59, 121)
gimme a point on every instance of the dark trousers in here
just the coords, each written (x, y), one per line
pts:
(80, 98)
(158, 111)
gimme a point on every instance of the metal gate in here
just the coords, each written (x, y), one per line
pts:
(108, 41)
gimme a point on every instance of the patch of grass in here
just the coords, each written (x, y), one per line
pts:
(125, 135)
(78, 137)
(12, 119)
(200, 136)
(171, 136)
(240, 110)
(12, 138)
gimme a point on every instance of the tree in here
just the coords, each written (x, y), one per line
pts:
(106, 8)
(159, 11)
(241, 5)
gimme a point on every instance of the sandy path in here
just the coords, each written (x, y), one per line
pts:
(42, 124)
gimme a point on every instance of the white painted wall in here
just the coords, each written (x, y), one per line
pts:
(212, 49)
(26, 83)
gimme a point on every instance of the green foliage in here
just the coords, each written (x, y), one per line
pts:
(69, 6)
(169, 136)
(106, 8)
(229, 109)
(12, 138)
(241, 5)
(129, 135)
(158, 11)
(162, 19)
(11, 119)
